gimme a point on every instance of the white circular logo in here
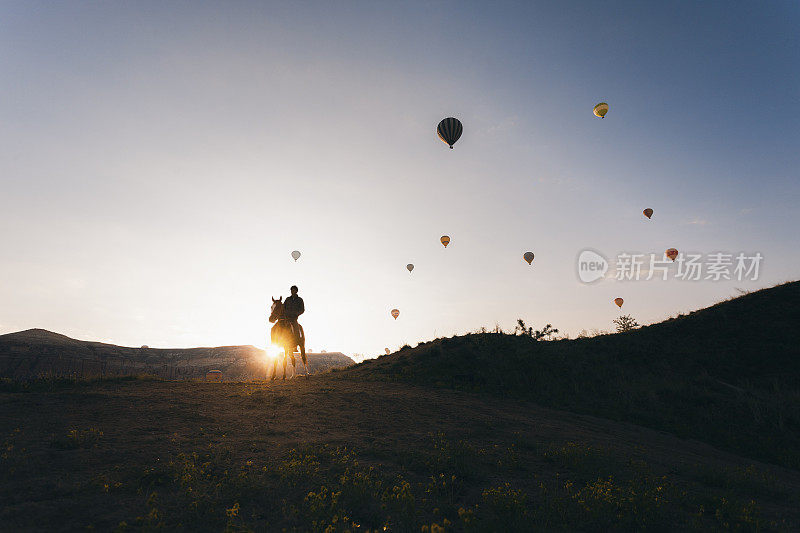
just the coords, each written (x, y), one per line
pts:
(591, 266)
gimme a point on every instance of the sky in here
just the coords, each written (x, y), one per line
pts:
(159, 162)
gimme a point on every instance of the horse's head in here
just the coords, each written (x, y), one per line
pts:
(276, 311)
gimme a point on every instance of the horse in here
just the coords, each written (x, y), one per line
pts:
(283, 334)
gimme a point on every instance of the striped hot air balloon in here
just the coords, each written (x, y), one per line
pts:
(528, 256)
(445, 240)
(672, 253)
(449, 130)
(648, 212)
(619, 302)
(395, 313)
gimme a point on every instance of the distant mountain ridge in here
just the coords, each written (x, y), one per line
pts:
(39, 335)
(38, 352)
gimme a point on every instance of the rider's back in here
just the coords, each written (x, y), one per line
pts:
(293, 307)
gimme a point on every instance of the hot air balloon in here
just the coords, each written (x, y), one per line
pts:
(410, 267)
(672, 253)
(296, 255)
(388, 351)
(449, 130)
(619, 302)
(395, 313)
(601, 109)
(648, 212)
(445, 240)
(528, 256)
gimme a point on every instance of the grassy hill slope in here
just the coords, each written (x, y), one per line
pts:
(389, 445)
(727, 375)
(331, 453)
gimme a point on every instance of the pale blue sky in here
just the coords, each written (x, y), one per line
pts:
(160, 161)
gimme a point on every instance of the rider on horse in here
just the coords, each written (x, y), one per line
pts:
(287, 333)
(293, 307)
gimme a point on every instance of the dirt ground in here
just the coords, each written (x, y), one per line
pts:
(53, 479)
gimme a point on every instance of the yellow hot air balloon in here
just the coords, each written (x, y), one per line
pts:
(648, 212)
(528, 256)
(410, 267)
(388, 351)
(619, 302)
(672, 253)
(395, 313)
(445, 240)
(601, 109)
(295, 255)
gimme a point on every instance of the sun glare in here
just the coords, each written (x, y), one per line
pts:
(272, 352)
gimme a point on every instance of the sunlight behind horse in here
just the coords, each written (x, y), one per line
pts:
(272, 352)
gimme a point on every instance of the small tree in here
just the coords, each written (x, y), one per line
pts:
(546, 332)
(625, 323)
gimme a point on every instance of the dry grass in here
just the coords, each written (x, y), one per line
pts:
(335, 454)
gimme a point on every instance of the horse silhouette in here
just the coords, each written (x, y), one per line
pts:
(287, 334)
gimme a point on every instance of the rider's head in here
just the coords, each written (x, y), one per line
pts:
(293, 289)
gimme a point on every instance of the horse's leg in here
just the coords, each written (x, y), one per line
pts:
(284, 365)
(303, 356)
(302, 345)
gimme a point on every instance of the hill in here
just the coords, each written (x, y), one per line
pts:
(38, 352)
(453, 435)
(728, 375)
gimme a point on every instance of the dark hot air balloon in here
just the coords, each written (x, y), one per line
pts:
(449, 130)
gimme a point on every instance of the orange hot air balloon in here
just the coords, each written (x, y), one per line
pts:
(619, 302)
(672, 253)
(395, 313)
(388, 351)
(528, 256)
(445, 240)
(648, 212)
